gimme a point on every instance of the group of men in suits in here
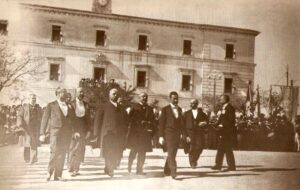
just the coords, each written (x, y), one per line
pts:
(69, 125)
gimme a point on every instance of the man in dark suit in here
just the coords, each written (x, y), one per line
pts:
(29, 119)
(82, 125)
(58, 120)
(171, 127)
(142, 129)
(227, 135)
(110, 125)
(195, 122)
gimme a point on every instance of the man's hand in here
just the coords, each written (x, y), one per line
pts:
(76, 135)
(161, 140)
(188, 139)
(42, 138)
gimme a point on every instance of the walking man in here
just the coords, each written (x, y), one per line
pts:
(227, 135)
(82, 126)
(195, 122)
(29, 119)
(112, 121)
(59, 119)
(171, 127)
(142, 129)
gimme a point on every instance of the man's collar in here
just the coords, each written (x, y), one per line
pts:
(77, 100)
(225, 105)
(173, 106)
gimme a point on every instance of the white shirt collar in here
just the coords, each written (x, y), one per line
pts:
(224, 106)
(173, 106)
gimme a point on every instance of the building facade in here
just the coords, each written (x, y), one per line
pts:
(156, 56)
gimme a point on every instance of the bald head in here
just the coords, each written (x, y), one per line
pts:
(194, 103)
(113, 95)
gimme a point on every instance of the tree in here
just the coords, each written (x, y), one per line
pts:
(97, 92)
(15, 64)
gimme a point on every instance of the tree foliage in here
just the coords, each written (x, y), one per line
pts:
(16, 64)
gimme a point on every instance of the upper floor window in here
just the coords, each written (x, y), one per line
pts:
(56, 34)
(141, 78)
(187, 47)
(3, 27)
(54, 72)
(228, 85)
(230, 52)
(186, 82)
(100, 38)
(143, 41)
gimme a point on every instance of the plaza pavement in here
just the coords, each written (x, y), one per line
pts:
(255, 171)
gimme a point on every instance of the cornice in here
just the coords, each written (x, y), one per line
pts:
(126, 18)
(126, 52)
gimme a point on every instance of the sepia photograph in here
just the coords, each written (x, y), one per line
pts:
(149, 94)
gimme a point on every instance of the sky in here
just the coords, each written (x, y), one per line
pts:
(278, 22)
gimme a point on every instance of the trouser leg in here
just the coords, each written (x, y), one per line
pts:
(131, 158)
(140, 161)
(172, 160)
(33, 150)
(230, 158)
(220, 155)
(27, 154)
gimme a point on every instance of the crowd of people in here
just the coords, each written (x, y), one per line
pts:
(69, 125)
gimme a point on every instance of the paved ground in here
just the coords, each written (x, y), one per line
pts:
(256, 170)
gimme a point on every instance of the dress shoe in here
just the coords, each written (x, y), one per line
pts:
(59, 179)
(173, 176)
(140, 173)
(111, 174)
(230, 169)
(48, 176)
(216, 168)
(73, 174)
(193, 166)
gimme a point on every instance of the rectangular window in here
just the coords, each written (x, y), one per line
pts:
(228, 85)
(54, 72)
(186, 82)
(56, 33)
(143, 42)
(3, 27)
(187, 47)
(100, 38)
(141, 79)
(99, 73)
(229, 51)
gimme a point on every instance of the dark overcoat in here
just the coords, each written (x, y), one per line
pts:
(142, 128)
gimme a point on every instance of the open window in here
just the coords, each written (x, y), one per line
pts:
(100, 38)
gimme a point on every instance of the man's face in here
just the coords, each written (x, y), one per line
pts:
(143, 98)
(194, 104)
(32, 100)
(113, 95)
(174, 99)
(80, 94)
(69, 97)
(222, 100)
(62, 95)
